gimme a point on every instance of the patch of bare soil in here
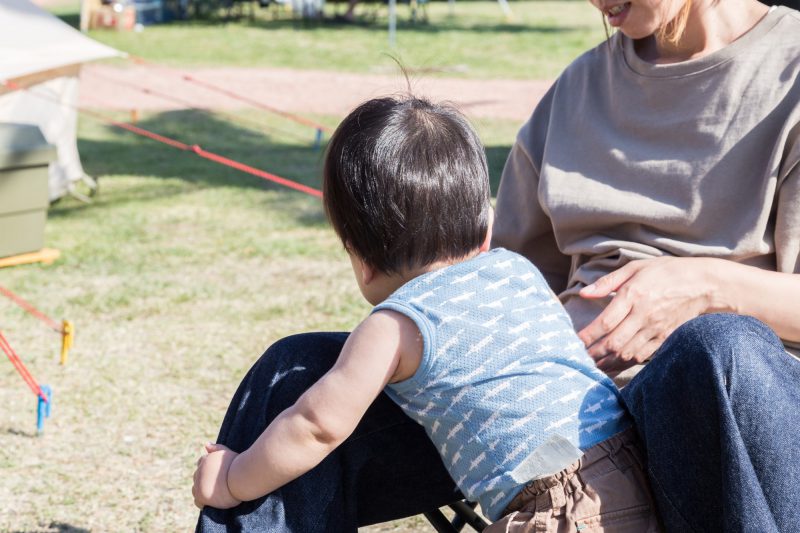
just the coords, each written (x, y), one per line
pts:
(153, 88)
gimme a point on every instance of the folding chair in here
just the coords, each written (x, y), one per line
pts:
(465, 515)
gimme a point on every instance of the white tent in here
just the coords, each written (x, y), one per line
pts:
(40, 52)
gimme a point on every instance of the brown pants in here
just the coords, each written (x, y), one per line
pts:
(605, 490)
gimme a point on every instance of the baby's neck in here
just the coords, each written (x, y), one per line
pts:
(436, 265)
(386, 284)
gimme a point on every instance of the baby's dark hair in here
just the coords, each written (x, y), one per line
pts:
(405, 184)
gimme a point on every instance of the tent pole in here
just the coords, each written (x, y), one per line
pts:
(392, 23)
(86, 13)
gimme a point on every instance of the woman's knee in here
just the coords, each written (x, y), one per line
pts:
(712, 351)
(276, 380)
(292, 364)
(726, 330)
(717, 342)
(304, 355)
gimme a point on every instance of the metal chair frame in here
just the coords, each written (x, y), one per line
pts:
(465, 515)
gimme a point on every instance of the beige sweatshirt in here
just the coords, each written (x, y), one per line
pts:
(624, 160)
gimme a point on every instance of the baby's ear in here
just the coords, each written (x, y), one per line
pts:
(487, 241)
(367, 273)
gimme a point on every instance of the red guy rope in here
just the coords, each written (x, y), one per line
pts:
(27, 306)
(23, 371)
(256, 103)
(236, 96)
(211, 156)
(191, 105)
(182, 146)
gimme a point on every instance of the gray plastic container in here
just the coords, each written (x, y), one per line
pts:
(24, 199)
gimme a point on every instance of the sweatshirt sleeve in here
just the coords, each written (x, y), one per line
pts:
(787, 220)
(521, 224)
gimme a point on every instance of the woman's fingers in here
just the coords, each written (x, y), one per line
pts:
(617, 310)
(611, 317)
(621, 354)
(653, 297)
(611, 282)
(622, 342)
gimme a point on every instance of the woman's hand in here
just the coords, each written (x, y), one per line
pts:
(650, 299)
(211, 478)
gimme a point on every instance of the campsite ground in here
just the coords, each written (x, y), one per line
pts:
(180, 272)
(300, 91)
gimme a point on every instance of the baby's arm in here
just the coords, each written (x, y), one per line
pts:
(385, 347)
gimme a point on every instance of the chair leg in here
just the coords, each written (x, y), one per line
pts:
(466, 515)
(440, 522)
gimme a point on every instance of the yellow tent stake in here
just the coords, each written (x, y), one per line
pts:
(67, 337)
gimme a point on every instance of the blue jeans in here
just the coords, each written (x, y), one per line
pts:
(387, 469)
(716, 410)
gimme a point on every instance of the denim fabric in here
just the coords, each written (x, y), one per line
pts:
(718, 410)
(386, 470)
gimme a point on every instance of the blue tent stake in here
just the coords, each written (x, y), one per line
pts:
(318, 139)
(43, 408)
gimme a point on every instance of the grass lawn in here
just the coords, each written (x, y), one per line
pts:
(177, 277)
(181, 272)
(478, 42)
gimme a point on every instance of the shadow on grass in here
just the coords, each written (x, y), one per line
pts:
(108, 153)
(73, 19)
(21, 433)
(56, 527)
(117, 152)
(378, 24)
(496, 158)
(408, 26)
(123, 153)
(372, 21)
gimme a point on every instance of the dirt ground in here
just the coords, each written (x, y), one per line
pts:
(297, 91)
(306, 92)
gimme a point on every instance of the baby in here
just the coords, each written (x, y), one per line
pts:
(470, 342)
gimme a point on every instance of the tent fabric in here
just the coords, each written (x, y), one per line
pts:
(36, 44)
(32, 40)
(58, 124)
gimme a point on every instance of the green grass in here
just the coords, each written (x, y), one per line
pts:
(477, 42)
(177, 276)
(181, 271)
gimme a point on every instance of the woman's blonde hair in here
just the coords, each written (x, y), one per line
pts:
(673, 30)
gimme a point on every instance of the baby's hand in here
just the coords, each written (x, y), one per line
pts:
(211, 478)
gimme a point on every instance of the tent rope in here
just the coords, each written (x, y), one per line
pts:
(236, 96)
(191, 105)
(27, 306)
(21, 368)
(196, 149)
(65, 328)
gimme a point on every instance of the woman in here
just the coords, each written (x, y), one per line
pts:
(678, 193)
(657, 182)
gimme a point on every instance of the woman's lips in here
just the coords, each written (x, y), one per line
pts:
(616, 14)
